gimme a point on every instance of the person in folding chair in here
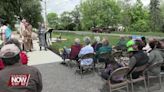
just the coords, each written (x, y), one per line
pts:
(155, 56)
(161, 48)
(97, 43)
(137, 58)
(85, 50)
(75, 49)
(105, 48)
(121, 45)
(113, 65)
(72, 53)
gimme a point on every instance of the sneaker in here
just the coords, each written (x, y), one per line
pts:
(64, 63)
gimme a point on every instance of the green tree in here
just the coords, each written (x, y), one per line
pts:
(162, 16)
(28, 9)
(66, 21)
(125, 18)
(52, 20)
(70, 20)
(135, 17)
(99, 13)
(75, 14)
(155, 14)
(162, 10)
(139, 18)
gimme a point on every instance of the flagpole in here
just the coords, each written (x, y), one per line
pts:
(45, 3)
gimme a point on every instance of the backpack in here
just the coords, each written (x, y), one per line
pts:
(23, 57)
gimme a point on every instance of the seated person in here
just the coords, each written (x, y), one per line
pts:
(85, 50)
(105, 48)
(162, 43)
(121, 45)
(130, 42)
(155, 56)
(134, 37)
(137, 58)
(113, 65)
(75, 49)
(72, 53)
(65, 53)
(96, 44)
(22, 54)
(161, 48)
(14, 72)
(143, 38)
(146, 47)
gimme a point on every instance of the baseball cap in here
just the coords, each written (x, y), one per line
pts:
(130, 43)
(9, 51)
(131, 49)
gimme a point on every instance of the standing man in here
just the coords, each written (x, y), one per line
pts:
(41, 34)
(27, 37)
(16, 77)
(22, 28)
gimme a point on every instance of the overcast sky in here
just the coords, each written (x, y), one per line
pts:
(59, 6)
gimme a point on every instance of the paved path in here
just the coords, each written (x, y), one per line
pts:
(40, 57)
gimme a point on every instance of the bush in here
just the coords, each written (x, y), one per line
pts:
(162, 29)
(139, 26)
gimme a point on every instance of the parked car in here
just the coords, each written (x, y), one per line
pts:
(108, 30)
(103, 30)
(96, 30)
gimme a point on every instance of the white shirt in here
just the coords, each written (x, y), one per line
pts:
(22, 28)
(146, 48)
(3, 28)
(85, 50)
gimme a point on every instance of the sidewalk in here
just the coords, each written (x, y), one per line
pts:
(42, 57)
(37, 57)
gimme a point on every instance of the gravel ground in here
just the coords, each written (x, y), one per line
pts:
(59, 78)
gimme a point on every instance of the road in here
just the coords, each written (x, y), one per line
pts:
(110, 34)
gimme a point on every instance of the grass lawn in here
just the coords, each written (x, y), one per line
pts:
(71, 36)
(160, 34)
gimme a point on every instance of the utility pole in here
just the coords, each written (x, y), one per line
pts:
(45, 12)
(45, 4)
